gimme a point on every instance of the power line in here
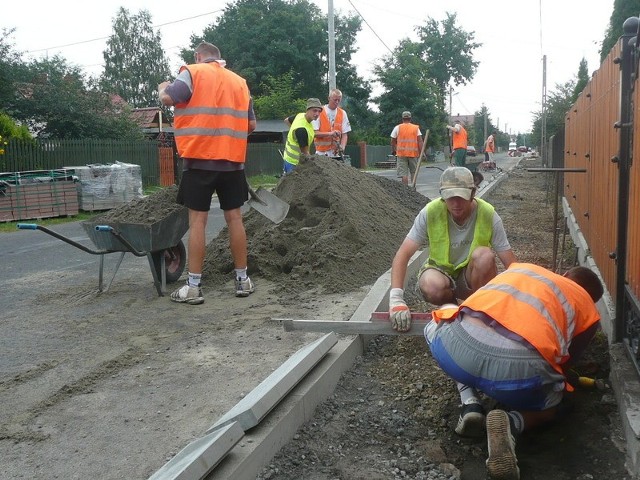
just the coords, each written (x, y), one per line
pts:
(104, 38)
(370, 28)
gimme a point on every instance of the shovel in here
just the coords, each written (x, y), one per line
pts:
(268, 204)
(415, 175)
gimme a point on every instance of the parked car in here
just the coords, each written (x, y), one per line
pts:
(523, 149)
(471, 151)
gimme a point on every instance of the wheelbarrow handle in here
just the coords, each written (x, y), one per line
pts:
(104, 228)
(27, 226)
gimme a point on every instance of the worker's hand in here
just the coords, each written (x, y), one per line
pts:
(399, 313)
(305, 157)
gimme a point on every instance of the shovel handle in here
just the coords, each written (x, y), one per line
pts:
(254, 195)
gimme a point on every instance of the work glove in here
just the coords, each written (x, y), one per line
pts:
(399, 313)
(304, 158)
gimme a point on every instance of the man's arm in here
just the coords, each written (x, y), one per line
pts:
(401, 261)
(165, 98)
(303, 139)
(420, 143)
(507, 257)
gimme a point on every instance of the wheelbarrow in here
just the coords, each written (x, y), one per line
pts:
(161, 242)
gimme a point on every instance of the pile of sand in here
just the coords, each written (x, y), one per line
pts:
(144, 210)
(341, 233)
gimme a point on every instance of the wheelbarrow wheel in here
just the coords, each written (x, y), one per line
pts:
(175, 259)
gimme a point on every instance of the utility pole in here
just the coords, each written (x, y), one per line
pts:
(543, 129)
(332, 49)
(484, 110)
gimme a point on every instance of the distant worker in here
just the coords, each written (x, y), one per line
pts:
(460, 143)
(301, 135)
(213, 117)
(462, 232)
(406, 144)
(489, 150)
(332, 128)
(515, 340)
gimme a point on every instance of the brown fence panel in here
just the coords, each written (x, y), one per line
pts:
(590, 142)
(633, 245)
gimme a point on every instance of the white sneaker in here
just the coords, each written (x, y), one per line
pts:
(502, 463)
(187, 294)
(471, 422)
(244, 288)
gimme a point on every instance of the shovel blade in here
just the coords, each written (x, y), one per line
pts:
(269, 205)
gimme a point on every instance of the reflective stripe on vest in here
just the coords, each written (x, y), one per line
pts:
(544, 308)
(214, 123)
(292, 149)
(460, 138)
(325, 144)
(407, 141)
(438, 233)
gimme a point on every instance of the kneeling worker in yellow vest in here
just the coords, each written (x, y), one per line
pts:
(462, 233)
(515, 340)
(301, 135)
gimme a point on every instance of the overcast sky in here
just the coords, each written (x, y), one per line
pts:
(514, 35)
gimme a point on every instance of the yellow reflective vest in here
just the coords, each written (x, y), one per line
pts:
(292, 150)
(438, 233)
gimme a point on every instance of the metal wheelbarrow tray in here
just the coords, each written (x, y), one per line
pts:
(160, 241)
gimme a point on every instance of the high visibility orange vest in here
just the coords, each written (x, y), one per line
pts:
(460, 138)
(407, 141)
(546, 309)
(490, 145)
(214, 123)
(325, 144)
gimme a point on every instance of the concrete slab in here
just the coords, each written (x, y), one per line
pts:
(261, 400)
(261, 443)
(197, 459)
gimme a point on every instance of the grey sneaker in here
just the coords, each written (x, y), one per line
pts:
(187, 294)
(502, 463)
(472, 420)
(244, 288)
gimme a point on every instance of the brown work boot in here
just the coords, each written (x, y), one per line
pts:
(502, 463)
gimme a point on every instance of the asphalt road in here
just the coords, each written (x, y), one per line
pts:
(32, 253)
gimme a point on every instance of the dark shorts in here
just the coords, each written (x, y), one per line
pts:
(198, 186)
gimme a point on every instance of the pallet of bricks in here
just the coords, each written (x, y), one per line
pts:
(37, 194)
(103, 187)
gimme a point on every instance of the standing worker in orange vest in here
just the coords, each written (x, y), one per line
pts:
(489, 150)
(460, 143)
(213, 117)
(332, 127)
(406, 144)
(515, 340)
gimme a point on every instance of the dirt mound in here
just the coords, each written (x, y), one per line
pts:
(144, 210)
(341, 232)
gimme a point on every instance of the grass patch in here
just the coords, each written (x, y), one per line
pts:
(47, 222)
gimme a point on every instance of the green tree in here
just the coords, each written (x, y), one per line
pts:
(559, 102)
(280, 99)
(622, 9)
(407, 85)
(10, 129)
(263, 40)
(582, 80)
(135, 62)
(448, 51)
(269, 38)
(54, 101)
